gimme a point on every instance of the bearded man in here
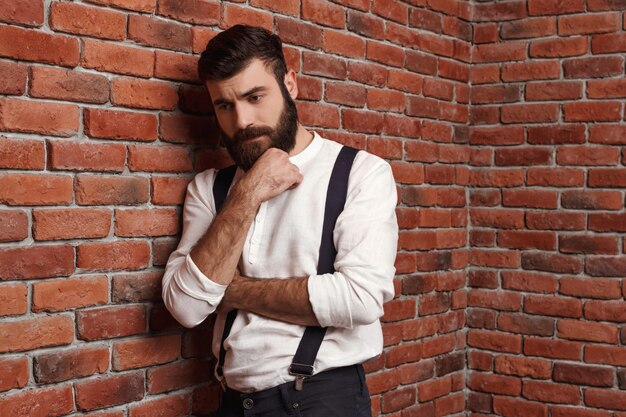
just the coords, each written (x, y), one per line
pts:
(271, 258)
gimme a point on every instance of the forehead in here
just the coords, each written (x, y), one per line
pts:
(255, 74)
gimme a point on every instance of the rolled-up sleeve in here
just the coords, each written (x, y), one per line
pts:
(189, 295)
(366, 236)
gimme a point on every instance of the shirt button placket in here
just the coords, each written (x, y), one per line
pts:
(248, 403)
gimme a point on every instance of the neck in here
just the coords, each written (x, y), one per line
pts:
(303, 139)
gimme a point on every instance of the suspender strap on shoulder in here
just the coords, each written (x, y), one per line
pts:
(304, 359)
(223, 179)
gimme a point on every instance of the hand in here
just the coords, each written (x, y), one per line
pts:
(271, 175)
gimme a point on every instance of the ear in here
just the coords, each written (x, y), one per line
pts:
(291, 83)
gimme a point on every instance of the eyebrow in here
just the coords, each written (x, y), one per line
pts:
(248, 93)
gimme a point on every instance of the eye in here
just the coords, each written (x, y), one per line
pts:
(255, 98)
(224, 106)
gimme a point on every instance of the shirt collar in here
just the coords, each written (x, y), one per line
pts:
(309, 152)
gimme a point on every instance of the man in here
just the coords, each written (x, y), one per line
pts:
(259, 252)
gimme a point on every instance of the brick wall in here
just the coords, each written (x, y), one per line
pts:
(546, 308)
(103, 123)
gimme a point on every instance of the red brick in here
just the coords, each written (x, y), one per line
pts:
(110, 322)
(343, 44)
(146, 222)
(177, 67)
(555, 177)
(591, 200)
(588, 244)
(480, 360)
(592, 111)
(109, 391)
(398, 310)
(523, 367)
(21, 154)
(68, 364)
(529, 28)
(609, 43)
(434, 388)
(530, 71)
(385, 148)
(13, 301)
(551, 392)
(559, 47)
(316, 114)
(385, 54)
(383, 381)
(495, 94)
(174, 405)
(553, 306)
(555, 349)
(286, 8)
(366, 24)
(608, 266)
(362, 121)
(434, 303)
(59, 295)
(426, 19)
(586, 331)
(562, 411)
(495, 384)
(497, 341)
(524, 324)
(555, 221)
(500, 52)
(137, 93)
(583, 375)
(159, 159)
(530, 282)
(36, 333)
(91, 21)
(440, 89)
(605, 311)
(14, 225)
(110, 124)
(139, 353)
(454, 70)
(421, 63)
(398, 399)
(607, 177)
(15, 372)
(36, 262)
(177, 375)
(590, 288)
(604, 398)
(497, 218)
(585, 24)
(233, 15)
(514, 407)
(406, 353)
(113, 256)
(191, 11)
(504, 301)
(159, 33)
(529, 198)
(46, 402)
(68, 85)
(143, 286)
(304, 34)
(12, 78)
(520, 156)
(556, 90)
(495, 259)
(30, 45)
(168, 190)
(504, 135)
(606, 89)
(136, 5)
(385, 100)
(116, 58)
(310, 88)
(324, 12)
(596, 67)
(324, 65)
(69, 155)
(530, 113)
(347, 94)
(366, 73)
(610, 355)
(71, 224)
(551, 262)
(401, 35)
(29, 12)
(117, 190)
(551, 7)
(38, 117)
(200, 37)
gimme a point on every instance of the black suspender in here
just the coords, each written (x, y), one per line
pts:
(304, 359)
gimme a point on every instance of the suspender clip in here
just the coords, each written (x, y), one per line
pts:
(301, 371)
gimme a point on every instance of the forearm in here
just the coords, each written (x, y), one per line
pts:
(217, 253)
(279, 299)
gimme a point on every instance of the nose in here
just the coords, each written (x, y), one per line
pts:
(244, 116)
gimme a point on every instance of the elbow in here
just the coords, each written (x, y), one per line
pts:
(367, 312)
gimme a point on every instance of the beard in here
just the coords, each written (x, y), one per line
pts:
(282, 136)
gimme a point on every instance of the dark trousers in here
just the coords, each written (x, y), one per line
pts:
(339, 392)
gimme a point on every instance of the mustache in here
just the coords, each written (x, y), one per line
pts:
(252, 132)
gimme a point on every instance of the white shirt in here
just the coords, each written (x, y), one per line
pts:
(283, 242)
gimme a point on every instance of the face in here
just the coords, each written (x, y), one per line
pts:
(254, 113)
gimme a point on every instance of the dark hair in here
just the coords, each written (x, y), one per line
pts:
(232, 50)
